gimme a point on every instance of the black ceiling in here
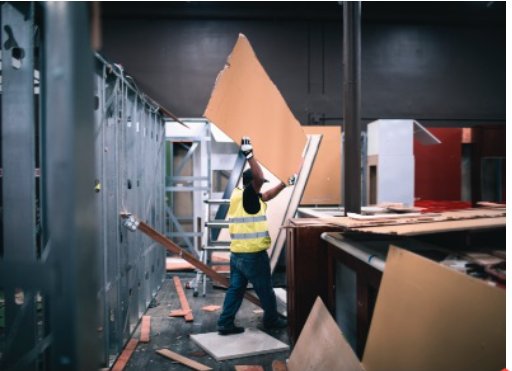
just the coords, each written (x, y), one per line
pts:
(389, 11)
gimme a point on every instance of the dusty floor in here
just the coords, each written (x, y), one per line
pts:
(173, 333)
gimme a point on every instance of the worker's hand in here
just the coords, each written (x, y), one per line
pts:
(292, 180)
(246, 147)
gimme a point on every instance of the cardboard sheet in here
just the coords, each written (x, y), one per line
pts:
(430, 317)
(245, 102)
(324, 183)
(321, 345)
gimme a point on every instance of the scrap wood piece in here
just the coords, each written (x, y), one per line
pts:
(211, 308)
(183, 360)
(183, 299)
(177, 313)
(125, 355)
(248, 368)
(177, 264)
(175, 249)
(278, 365)
(145, 329)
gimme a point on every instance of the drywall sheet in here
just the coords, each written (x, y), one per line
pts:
(321, 345)
(430, 317)
(294, 199)
(324, 183)
(245, 102)
(249, 343)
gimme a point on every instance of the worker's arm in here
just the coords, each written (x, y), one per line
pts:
(273, 192)
(257, 173)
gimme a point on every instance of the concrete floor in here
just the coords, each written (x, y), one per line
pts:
(173, 333)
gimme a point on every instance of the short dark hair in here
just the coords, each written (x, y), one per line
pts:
(247, 177)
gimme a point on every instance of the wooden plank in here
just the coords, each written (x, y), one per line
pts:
(183, 360)
(183, 299)
(177, 313)
(245, 102)
(145, 329)
(125, 355)
(321, 345)
(430, 317)
(278, 365)
(211, 308)
(324, 183)
(249, 368)
(175, 249)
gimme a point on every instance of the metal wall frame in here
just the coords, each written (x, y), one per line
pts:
(129, 144)
(79, 144)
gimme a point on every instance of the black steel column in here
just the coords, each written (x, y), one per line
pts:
(69, 146)
(352, 105)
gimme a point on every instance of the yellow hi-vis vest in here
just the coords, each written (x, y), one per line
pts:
(248, 232)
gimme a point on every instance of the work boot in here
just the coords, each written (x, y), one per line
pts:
(230, 330)
(279, 322)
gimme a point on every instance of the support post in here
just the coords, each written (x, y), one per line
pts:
(352, 105)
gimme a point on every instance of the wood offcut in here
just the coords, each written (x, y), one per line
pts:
(185, 307)
(125, 355)
(145, 329)
(183, 360)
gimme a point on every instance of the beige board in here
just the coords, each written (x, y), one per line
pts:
(321, 345)
(324, 183)
(430, 317)
(427, 317)
(245, 102)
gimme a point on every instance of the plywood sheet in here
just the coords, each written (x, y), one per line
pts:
(321, 345)
(324, 183)
(245, 102)
(249, 343)
(430, 317)
(437, 227)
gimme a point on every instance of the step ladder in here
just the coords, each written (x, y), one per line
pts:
(209, 246)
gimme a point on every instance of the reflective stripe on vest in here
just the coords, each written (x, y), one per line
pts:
(248, 236)
(248, 219)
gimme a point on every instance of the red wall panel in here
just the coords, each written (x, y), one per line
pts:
(438, 167)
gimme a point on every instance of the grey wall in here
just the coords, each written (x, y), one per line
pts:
(444, 73)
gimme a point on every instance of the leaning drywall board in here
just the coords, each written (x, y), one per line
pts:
(324, 183)
(245, 102)
(321, 345)
(430, 317)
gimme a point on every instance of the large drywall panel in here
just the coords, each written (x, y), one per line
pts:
(245, 102)
(324, 182)
(430, 317)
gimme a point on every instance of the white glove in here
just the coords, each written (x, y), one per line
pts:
(246, 147)
(292, 180)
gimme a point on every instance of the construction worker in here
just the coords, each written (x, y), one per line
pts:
(250, 240)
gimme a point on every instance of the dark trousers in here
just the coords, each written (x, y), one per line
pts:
(253, 268)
